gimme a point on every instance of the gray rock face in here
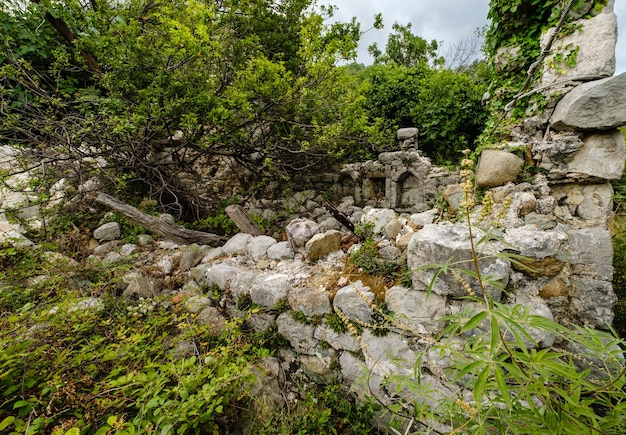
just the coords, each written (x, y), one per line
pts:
(388, 354)
(257, 246)
(220, 274)
(415, 308)
(299, 335)
(597, 105)
(267, 290)
(529, 241)
(378, 218)
(352, 301)
(593, 301)
(602, 155)
(591, 246)
(212, 317)
(595, 46)
(280, 251)
(242, 282)
(343, 341)
(587, 201)
(497, 167)
(237, 244)
(139, 285)
(407, 133)
(322, 244)
(299, 232)
(309, 301)
(195, 304)
(191, 256)
(108, 231)
(435, 245)
(418, 220)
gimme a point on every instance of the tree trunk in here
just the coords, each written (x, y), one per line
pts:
(242, 220)
(172, 232)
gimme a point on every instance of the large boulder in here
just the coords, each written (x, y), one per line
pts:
(436, 245)
(322, 244)
(593, 47)
(378, 218)
(354, 301)
(603, 154)
(497, 167)
(597, 105)
(299, 232)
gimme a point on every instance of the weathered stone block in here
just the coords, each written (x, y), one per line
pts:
(497, 167)
(597, 105)
(322, 244)
(435, 245)
(268, 290)
(352, 300)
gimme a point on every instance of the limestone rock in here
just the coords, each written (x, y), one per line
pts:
(267, 290)
(497, 167)
(139, 285)
(280, 251)
(389, 354)
(195, 304)
(213, 318)
(352, 300)
(436, 245)
(299, 232)
(418, 220)
(221, 274)
(392, 229)
(602, 155)
(319, 367)
(407, 133)
(378, 218)
(454, 196)
(257, 246)
(322, 244)
(537, 307)
(310, 301)
(299, 335)
(237, 244)
(530, 242)
(191, 256)
(591, 246)
(108, 231)
(597, 105)
(592, 300)
(242, 282)
(595, 45)
(415, 308)
(339, 341)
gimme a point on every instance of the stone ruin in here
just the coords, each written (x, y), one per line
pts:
(556, 218)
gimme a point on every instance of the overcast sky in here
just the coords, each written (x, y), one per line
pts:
(447, 21)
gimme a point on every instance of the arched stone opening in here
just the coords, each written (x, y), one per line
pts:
(410, 191)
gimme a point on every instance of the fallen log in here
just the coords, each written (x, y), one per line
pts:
(173, 232)
(244, 222)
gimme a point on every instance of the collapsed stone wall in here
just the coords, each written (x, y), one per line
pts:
(556, 219)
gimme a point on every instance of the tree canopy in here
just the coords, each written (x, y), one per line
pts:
(152, 87)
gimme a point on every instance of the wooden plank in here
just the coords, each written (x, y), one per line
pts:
(242, 220)
(172, 232)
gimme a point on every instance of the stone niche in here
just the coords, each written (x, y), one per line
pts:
(403, 180)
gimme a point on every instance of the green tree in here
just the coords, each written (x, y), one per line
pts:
(154, 86)
(405, 49)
